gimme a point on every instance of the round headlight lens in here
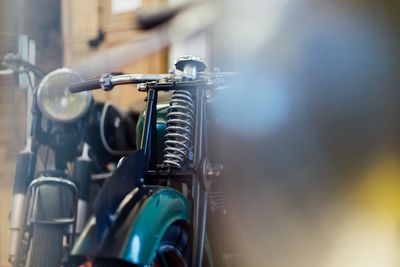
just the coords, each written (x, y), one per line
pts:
(56, 102)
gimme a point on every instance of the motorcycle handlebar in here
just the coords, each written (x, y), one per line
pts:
(14, 61)
(107, 81)
(85, 86)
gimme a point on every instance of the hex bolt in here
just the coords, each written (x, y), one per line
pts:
(190, 66)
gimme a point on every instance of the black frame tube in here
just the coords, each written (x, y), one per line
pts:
(199, 193)
(149, 136)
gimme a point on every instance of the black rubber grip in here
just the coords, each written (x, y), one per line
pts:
(24, 173)
(85, 86)
(150, 19)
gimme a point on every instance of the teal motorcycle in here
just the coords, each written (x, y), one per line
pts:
(153, 210)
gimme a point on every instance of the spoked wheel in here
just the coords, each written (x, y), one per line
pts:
(46, 248)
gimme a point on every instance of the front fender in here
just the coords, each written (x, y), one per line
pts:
(53, 200)
(136, 233)
(137, 239)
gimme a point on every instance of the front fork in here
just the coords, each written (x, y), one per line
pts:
(25, 171)
(200, 185)
(82, 178)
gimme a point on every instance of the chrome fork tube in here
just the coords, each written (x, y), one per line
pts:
(16, 222)
(24, 174)
(82, 178)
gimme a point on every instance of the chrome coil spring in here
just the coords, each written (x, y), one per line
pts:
(179, 129)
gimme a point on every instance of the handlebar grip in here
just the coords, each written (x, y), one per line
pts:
(85, 86)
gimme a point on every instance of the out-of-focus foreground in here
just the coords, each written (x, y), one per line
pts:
(308, 130)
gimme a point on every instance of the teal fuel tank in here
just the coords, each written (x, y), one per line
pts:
(162, 110)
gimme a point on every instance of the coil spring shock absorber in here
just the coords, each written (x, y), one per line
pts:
(178, 138)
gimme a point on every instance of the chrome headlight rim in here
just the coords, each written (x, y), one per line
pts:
(43, 109)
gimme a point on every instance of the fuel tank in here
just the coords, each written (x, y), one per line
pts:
(162, 110)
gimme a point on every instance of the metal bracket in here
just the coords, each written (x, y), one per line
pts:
(208, 173)
(105, 82)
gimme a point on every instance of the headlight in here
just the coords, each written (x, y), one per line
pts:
(56, 102)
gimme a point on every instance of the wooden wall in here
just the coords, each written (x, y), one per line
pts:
(81, 22)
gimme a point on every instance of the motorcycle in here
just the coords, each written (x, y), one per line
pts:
(153, 209)
(56, 171)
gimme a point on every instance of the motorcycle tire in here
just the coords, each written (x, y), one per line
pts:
(46, 248)
(172, 252)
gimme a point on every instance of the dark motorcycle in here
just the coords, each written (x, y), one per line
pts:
(72, 139)
(153, 210)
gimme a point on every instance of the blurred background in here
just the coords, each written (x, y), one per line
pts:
(309, 131)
